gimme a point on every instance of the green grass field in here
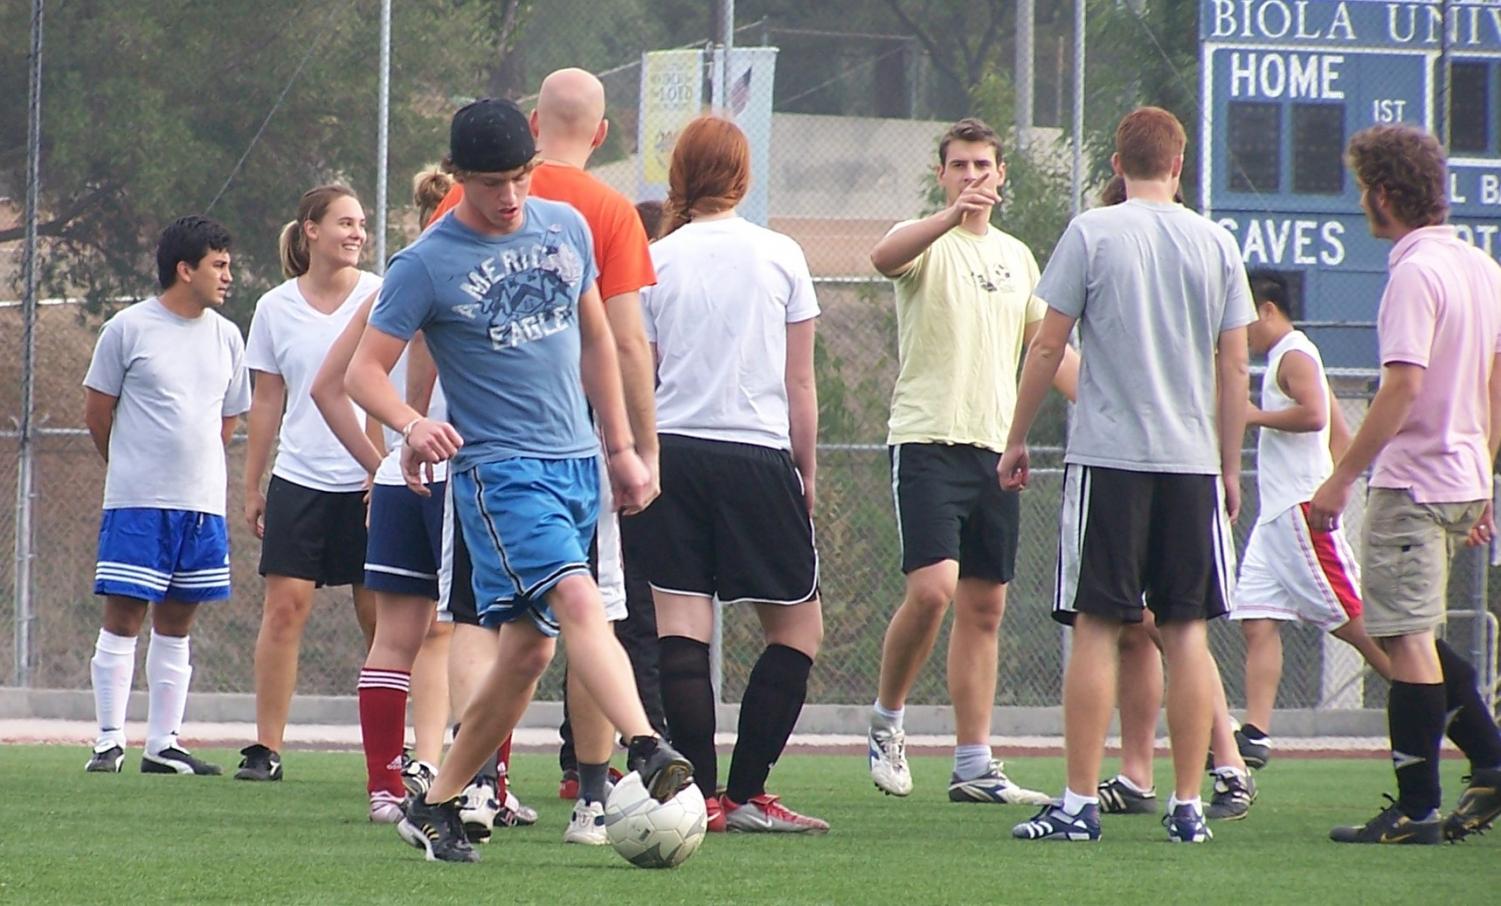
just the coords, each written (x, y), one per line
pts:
(133, 838)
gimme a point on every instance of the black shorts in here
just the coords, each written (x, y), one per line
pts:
(731, 522)
(455, 573)
(950, 506)
(1133, 538)
(312, 534)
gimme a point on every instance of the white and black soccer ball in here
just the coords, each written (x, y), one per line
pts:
(652, 834)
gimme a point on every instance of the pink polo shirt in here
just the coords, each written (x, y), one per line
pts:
(1442, 311)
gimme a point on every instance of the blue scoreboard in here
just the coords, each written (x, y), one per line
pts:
(1285, 83)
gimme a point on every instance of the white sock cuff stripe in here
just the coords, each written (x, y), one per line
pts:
(110, 643)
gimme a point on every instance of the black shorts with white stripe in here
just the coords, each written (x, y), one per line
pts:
(1128, 538)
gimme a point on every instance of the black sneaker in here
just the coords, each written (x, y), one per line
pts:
(1391, 826)
(177, 760)
(437, 830)
(1118, 799)
(259, 763)
(1233, 795)
(106, 761)
(662, 769)
(1478, 808)
(1254, 751)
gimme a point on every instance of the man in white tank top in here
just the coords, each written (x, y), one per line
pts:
(1291, 570)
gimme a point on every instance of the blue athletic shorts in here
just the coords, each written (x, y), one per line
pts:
(405, 541)
(154, 554)
(527, 524)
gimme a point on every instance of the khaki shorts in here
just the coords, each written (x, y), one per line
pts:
(1405, 559)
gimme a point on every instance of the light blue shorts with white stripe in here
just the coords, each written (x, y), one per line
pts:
(154, 554)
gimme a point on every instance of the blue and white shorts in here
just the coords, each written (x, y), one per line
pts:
(154, 554)
(528, 524)
(405, 540)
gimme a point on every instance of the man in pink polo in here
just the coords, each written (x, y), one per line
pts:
(1430, 439)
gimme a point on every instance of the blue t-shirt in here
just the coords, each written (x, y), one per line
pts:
(500, 314)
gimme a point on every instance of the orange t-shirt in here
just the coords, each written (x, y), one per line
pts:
(620, 250)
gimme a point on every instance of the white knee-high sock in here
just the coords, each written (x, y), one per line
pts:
(167, 675)
(112, 668)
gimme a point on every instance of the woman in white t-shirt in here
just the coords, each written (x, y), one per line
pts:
(731, 322)
(311, 519)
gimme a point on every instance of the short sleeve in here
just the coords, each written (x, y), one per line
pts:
(1240, 309)
(1036, 308)
(624, 260)
(237, 394)
(260, 351)
(649, 312)
(406, 298)
(107, 368)
(584, 240)
(802, 300)
(915, 266)
(1406, 320)
(1066, 277)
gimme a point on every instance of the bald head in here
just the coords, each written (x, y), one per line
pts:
(571, 105)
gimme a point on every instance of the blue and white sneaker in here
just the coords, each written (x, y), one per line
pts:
(887, 752)
(994, 786)
(1186, 824)
(1053, 823)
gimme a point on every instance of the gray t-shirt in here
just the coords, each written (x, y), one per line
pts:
(176, 380)
(1153, 286)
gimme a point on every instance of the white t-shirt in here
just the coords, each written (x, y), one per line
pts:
(176, 379)
(726, 291)
(1290, 465)
(291, 338)
(437, 410)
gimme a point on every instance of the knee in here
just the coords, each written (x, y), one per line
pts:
(980, 616)
(928, 600)
(284, 616)
(532, 661)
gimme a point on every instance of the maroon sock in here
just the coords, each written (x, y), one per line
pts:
(502, 770)
(383, 717)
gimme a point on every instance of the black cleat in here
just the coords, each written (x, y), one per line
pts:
(259, 763)
(1118, 799)
(1391, 826)
(437, 830)
(1478, 808)
(1254, 751)
(105, 761)
(177, 760)
(662, 769)
(1233, 795)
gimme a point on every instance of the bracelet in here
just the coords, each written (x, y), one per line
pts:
(611, 454)
(406, 433)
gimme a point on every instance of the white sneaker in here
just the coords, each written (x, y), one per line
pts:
(385, 808)
(417, 777)
(477, 809)
(513, 814)
(888, 761)
(587, 826)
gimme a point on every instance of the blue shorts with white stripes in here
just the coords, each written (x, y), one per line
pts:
(153, 554)
(528, 524)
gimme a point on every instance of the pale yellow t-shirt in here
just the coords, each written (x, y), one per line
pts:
(961, 310)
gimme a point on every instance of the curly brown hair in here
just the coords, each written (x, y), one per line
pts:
(1409, 165)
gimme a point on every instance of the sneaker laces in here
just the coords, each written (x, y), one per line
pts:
(893, 746)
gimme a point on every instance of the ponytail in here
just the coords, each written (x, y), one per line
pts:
(429, 187)
(710, 171)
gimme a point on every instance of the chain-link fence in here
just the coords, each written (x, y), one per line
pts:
(846, 134)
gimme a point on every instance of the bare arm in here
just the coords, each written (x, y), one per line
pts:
(267, 402)
(422, 374)
(896, 251)
(1339, 429)
(638, 374)
(802, 404)
(1231, 390)
(99, 416)
(1400, 384)
(1045, 356)
(1298, 377)
(1066, 380)
(629, 477)
(227, 430)
(333, 402)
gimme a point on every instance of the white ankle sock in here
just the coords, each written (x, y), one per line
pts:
(1073, 803)
(884, 719)
(1131, 785)
(971, 761)
(112, 668)
(167, 675)
(1173, 802)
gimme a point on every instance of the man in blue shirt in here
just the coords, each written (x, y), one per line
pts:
(504, 293)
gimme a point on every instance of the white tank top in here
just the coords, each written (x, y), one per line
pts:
(1290, 465)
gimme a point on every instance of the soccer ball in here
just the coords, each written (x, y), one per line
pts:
(652, 834)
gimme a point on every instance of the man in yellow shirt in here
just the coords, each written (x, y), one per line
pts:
(964, 311)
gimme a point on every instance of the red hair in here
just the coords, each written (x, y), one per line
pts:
(710, 170)
(1147, 141)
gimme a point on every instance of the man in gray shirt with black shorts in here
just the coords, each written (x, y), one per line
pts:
(1153, 464)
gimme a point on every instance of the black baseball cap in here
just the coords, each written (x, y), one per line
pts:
(490, 135)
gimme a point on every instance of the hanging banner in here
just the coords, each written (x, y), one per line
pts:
(672, 87)
(748, 100)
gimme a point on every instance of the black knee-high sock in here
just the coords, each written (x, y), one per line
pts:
(1470, 724)
(1415, 716)
(768, 712)
(688, 702)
